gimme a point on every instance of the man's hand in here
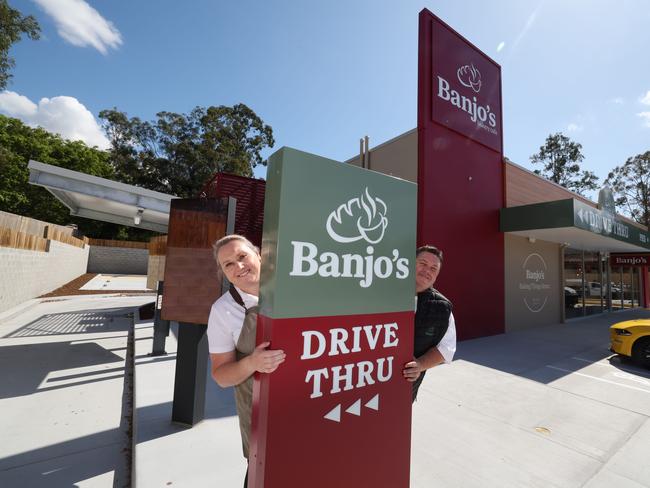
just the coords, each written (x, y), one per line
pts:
(412, 370)
(266, 361)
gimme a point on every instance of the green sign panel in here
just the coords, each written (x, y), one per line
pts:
(353, 254)
(607, 224)
(572, 213)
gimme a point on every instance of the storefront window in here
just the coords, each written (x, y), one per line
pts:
(591, 286)
(593, 283)
(631, 287)
(636, 282)
(616, 280)
(574, 302)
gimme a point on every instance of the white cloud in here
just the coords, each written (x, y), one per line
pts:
(617, 100)
(61, 115)
(500, 46)
(645, 116)
(15, 105)
(645, 100)
(574, 127)
(81, 25)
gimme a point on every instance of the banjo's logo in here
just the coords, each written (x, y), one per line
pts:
(470, 77)
(370, 215)
(360, 218)
(534, 288)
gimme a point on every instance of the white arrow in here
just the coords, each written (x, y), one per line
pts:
(374, 402)
(355, 408)
(334, 414)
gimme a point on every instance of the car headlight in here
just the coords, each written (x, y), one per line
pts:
(623, 332)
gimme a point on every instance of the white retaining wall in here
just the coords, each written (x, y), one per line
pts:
(28, 274)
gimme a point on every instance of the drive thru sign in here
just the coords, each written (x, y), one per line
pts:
(337, 295)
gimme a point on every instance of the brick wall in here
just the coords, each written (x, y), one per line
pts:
(28, 274)
(117, 260)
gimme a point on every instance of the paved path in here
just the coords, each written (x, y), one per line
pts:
(549, 407)
(65, 415)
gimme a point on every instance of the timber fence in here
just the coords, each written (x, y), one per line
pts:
(158, 246)
(113, 243)
(20, 232)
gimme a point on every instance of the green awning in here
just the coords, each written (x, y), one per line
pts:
(573, 222)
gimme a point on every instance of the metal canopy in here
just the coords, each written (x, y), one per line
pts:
(97, 198)
(576, 224)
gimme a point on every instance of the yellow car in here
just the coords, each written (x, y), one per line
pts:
(632, 339)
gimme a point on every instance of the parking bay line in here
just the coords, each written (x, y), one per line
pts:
(599, 379)
(601, 363)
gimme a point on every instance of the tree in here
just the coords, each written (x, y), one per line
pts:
(179, 153)
(631, 187)
(561, 158)
(12, 26)
(20, 143)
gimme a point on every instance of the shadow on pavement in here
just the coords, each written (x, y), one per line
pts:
(68, 463)
(531, 353)
(24, 367)
(81, 322)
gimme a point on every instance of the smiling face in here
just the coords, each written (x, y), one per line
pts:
(241, 265)
(427, 267)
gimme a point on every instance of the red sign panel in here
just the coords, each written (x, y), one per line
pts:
(466, 87)
(630, 259)
(460, 173)
(343, 389)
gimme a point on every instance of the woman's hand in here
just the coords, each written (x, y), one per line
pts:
(264, 360)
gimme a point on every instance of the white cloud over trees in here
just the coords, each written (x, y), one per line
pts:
(61, 115)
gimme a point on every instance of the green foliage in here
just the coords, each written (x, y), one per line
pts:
(178, 153)
(561, 158)
(12, 26)
(630, 184)
(20, 143)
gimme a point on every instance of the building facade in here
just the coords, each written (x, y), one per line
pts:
(556, 267)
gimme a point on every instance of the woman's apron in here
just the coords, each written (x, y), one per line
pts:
(244, 391)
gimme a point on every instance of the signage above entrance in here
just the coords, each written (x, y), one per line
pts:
(572, 213)
(637, 260)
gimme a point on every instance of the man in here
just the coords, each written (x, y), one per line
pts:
(232, 326)
(435, 328)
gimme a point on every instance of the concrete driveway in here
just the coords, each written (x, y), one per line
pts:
(549, 407)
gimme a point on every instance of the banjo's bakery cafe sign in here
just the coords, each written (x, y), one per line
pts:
(336, 295)
(460, 171)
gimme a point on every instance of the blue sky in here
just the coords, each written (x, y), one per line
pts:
(325, 73)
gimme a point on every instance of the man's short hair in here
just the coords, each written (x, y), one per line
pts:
(429, 248)
(226, 240)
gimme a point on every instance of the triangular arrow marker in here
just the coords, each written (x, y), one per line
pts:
(374, 402)
(334, 414)
(355, 408)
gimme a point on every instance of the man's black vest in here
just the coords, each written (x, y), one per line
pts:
(431, 324)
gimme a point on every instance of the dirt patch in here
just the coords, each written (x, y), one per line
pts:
(72, 288)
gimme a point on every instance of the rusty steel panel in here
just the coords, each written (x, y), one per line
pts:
(192, 280)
